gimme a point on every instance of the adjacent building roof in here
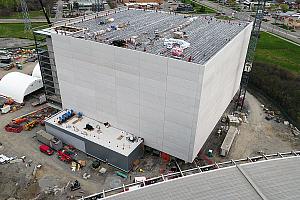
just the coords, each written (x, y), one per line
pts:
(110, 138)
(17, 85)
(270, 179)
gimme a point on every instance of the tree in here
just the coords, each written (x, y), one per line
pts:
(280, 1)
(231, 2)
(284, 7)
(298, 4)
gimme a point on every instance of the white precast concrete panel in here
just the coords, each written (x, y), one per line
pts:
(222, 77)
(154, 97)
(17, 85)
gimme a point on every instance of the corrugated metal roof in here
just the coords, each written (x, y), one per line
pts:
(270, 179)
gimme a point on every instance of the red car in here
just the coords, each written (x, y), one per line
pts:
(45, 149)
(64, 155)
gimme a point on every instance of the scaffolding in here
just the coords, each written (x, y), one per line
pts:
(196, 170)
(46, 59)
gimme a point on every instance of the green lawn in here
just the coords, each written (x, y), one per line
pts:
(199, 9)
(16, 30)
(281, 53)
(18, 15)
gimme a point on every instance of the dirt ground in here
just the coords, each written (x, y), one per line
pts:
(261, 135)
(256, 137)
(27, 69)
(15, 43)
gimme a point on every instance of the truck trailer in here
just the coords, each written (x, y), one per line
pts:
(49, 140)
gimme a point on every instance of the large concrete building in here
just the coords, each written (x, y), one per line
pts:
(122, 67)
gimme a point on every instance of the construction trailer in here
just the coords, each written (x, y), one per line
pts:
(125, 67)
(49, 140)
(226, 145)
(114, 146)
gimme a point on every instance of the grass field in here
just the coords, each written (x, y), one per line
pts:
(281, 53)
(198, 8)
(18, 15)
(16, 30)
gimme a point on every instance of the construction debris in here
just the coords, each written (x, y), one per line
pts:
(233, 120)
(75, 186)
(35, 169)
(29, 121)
(86, 176)
(102, 170)
(4, 159)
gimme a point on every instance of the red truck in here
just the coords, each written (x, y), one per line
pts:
(46, 149)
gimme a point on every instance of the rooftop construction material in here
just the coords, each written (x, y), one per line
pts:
(147, 30)
(275, 176)
(106, 143)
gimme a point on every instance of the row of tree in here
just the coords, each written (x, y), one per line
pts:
(281, 85)
(7, 7)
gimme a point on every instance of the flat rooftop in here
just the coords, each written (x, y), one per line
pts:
(111, 138)
(149, 29)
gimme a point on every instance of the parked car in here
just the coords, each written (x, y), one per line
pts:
(64, 155)
(46, 149)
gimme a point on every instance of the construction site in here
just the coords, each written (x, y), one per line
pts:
(142, 104)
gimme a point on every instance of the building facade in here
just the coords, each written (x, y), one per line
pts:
(172, 104)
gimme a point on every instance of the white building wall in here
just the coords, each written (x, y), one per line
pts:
(151, 96)
(221, 81)
(172, 104)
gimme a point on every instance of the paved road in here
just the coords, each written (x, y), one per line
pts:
(21, 20)
(293, 36)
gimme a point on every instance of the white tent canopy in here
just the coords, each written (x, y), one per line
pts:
(17, 85)
(37, 71)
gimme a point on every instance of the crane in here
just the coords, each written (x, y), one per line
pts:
(45, 13)
(250, 54)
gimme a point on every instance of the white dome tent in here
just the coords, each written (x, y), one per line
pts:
(17, 85)
(37, 71)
